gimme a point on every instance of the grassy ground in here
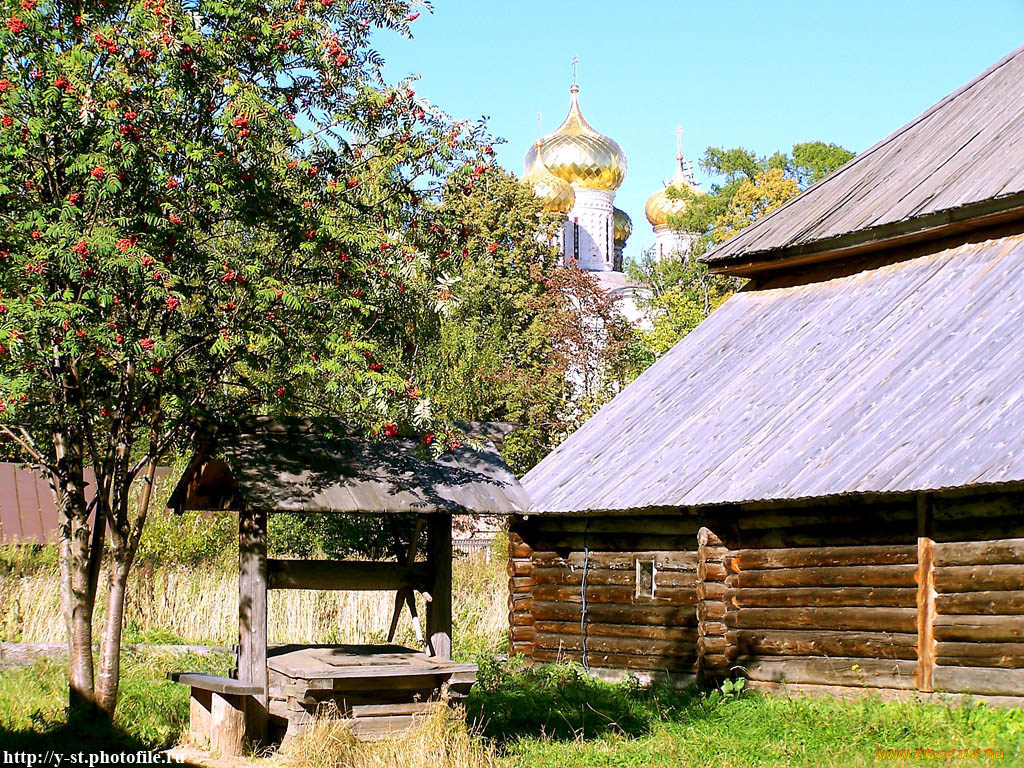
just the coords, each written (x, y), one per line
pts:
(554, 716)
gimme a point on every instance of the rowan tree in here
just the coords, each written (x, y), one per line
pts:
(209, 209)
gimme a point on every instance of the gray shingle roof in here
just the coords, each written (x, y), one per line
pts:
(296, 469)
(902, 378)
(962, 158)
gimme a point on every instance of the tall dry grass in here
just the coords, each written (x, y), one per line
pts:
(199, 605)
(439, 740)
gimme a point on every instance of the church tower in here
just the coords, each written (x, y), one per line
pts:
(669, 241)
(594, 166)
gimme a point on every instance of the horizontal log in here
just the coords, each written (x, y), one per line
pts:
(832, 576)
(520, 633)
(871, 619)
(714, 644)
(520, 603)
(711, 590)
(610, 577)
(866, 673)
(616, 613)
(711, 609)
(990, 529)
(880, 597)
(663, 560)
(520, 566)
(519, 549)
(521, 619)
(796, 642)
(614, 594)
(995, 662)
(620, 645)
(619, 660)
(522, 583)
(565, 542)
(650, 632)
(711, 571)
(801, 557)
(520, 649)
(981, 650)
(716, 661)
(671, 525)
(969, 578)
(985, 603)
(999, 682)
(341, 574)
(993, 629)
(710, 628)
(980, 552)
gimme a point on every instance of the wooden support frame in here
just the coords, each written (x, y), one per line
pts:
(252, 613)
(926, 612)
(345, 575)
(439, 563)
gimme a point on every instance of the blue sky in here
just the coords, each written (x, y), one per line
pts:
(757, 74)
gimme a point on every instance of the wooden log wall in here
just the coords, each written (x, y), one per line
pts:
(979, 621)
(924, 594)
(824, 615)
(574, 596)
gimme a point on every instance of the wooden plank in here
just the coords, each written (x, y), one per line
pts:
(800, 557)
(870, 619)
(1000, 682)
(439, 609)
(614, 594)
(252, 612)
(797, 642)
(344, 575)
(398, 708)
(985, 603)
(866, 673)
(671, 560)
(989, 654)
(610, 577)
(616, 613)
(884, 597)
(925, 613)
(837, 576)
(228, 685)
(996, 629)
(1005, 551)
(679, 634)
(967, 578)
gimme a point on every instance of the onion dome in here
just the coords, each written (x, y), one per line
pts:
(578, 154)
(660, 206)
(557, 195)
(623, 227)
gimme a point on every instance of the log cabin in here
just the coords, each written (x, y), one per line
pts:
(822, 485)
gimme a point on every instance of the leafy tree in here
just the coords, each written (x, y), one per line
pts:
(209, 209)
(747, 187)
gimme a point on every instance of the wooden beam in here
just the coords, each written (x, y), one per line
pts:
(343, 574)
(925, 613)
(252, 611)
(439, 609)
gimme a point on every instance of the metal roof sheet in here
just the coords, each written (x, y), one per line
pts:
(967, 149)
(901, 378)
(284, 468)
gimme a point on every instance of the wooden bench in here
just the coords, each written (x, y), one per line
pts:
(223, 712)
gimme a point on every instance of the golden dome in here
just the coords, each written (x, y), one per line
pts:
(660, 206)
(578, 154)
(623, 226)
(557, 195)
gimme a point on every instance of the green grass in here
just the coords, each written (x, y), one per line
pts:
(152, 712)
(557, 716)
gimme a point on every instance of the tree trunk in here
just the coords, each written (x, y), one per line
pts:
(80, 605)
(109, 676)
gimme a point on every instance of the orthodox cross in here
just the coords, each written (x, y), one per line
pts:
(679, 140)
(574, 62)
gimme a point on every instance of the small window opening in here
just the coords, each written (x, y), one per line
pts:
(645, 573)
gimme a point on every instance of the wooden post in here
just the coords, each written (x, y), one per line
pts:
(713, 653)
(439, 609)
(252, 613)
(925, 577)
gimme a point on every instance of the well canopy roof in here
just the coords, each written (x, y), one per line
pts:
(297, 467)
(959, 160)
(901, 378)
